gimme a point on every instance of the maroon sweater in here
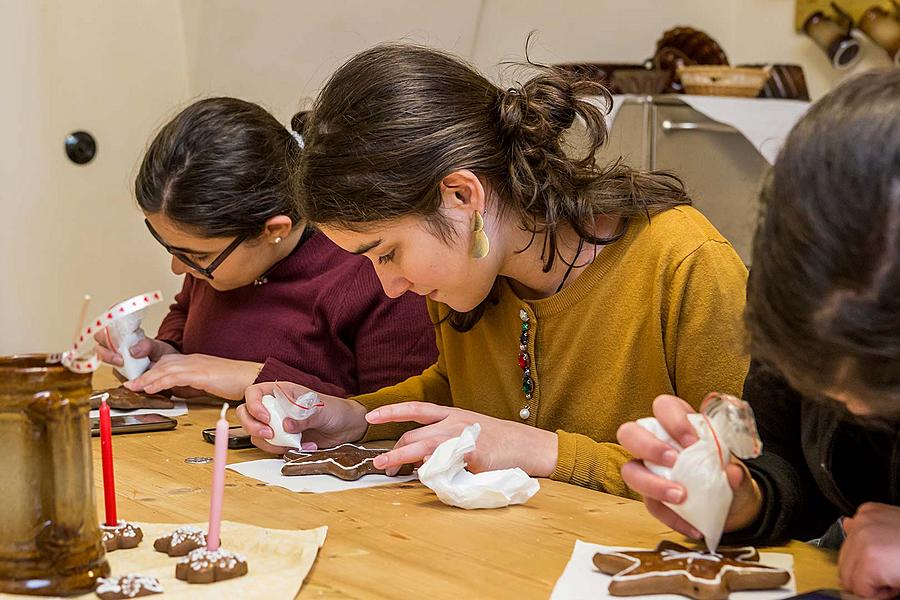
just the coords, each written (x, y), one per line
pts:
(322, 320)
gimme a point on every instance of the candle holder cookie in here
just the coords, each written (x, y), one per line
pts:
(208, 566)
(121, 536)
(128, 586)
(181, 542)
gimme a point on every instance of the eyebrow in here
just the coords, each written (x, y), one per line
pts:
(366, 247)
(188, 250)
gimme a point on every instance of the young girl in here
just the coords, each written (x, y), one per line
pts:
(265, 297)
(567, 296)
(823, 315)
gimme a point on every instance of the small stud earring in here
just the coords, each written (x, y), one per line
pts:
(278, 240)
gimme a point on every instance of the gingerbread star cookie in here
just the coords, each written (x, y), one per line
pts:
(129, 586)
(121, 398)
(121, 536)
(674, 569)
(181, 541)
(208, 566)
(347, 461)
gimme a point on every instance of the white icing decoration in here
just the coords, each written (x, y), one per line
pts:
(202, 558)
(129, 585)
(296, 460)
(690, 556)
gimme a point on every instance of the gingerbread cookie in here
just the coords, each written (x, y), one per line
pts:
(129, 586)
(207, 566)
(674, 569)
(347, 461)
(121, 398)
(181, 541)
(121, 536)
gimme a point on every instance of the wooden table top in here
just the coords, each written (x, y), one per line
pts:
(397, 540)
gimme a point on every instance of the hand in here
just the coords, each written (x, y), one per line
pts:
(501, 444)
(339, 421)
(868, 561)
(672, 413)
(147, 347)
(220, 377)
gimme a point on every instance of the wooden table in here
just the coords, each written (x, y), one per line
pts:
(395, 541)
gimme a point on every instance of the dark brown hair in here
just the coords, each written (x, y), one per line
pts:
(221, 167)
(823, 302)
(396, 119)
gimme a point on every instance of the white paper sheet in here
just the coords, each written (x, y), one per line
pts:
(178, 410)
(268, 470)
(582, 581)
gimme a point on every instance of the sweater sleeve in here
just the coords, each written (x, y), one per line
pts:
(793, 506)
(431, 386)
(276, 370)
(703, 336)
(171, 330)
(395, 337)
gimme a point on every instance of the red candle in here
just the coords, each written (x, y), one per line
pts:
(109, 481)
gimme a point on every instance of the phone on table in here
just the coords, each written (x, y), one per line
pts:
(135, 423)
(237, 437)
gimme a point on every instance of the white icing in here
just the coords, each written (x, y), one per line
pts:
(299, 459)
(691, 557)
(129, 585)
(188, 533)
(203, 558)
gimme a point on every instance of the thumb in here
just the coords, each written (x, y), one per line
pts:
(736, 474)
(142, 349)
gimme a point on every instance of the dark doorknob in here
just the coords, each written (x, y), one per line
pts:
(80, 147)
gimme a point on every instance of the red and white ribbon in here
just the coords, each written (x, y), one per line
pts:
(82, 357)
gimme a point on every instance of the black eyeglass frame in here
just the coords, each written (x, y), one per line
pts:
(205, 271)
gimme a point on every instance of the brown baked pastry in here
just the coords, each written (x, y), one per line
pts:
(121, 398)
(208, 566)
(347, 461)
(122, 536)
(674, 569)
(129, 586)
(181, 541)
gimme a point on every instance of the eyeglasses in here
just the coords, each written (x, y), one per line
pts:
(205, 271)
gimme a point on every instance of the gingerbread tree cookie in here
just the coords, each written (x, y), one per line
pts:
(347, 461)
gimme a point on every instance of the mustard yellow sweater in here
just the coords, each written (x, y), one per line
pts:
(657, 312)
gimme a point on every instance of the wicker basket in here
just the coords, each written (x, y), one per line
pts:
(723, 81)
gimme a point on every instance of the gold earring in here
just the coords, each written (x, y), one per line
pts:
(481, 245)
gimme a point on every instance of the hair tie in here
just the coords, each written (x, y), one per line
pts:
(512, 91)
(299, 138)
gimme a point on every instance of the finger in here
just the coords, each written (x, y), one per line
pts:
(652, 486)
(143, 349)
(252, 425)
(419, 412)
(266, 446)
(110, 357)
(253, 400)
(672, 413)
(310, 446)
(735, 472)
(667, 517)
(847, 559)
(645, 446)
(421, 433)
(412, 453)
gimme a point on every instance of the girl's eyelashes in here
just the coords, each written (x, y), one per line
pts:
(383, 260)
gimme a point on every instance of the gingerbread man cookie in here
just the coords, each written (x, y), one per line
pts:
(207, 566)
(181, 541)
(121, 536)
(121, 398)
(129, 586)
(347, 461)
(674, 569)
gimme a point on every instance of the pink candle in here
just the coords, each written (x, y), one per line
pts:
(218, 485)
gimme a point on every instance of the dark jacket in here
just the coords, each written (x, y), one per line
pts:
(818, 462)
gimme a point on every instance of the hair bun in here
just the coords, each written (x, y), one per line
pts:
(541, 110)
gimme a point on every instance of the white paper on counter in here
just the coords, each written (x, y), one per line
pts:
(180, 409)
(268, 470)
(582, 581)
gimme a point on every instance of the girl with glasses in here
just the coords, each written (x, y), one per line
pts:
(265, 296)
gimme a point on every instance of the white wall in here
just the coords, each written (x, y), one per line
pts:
(115, 69)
